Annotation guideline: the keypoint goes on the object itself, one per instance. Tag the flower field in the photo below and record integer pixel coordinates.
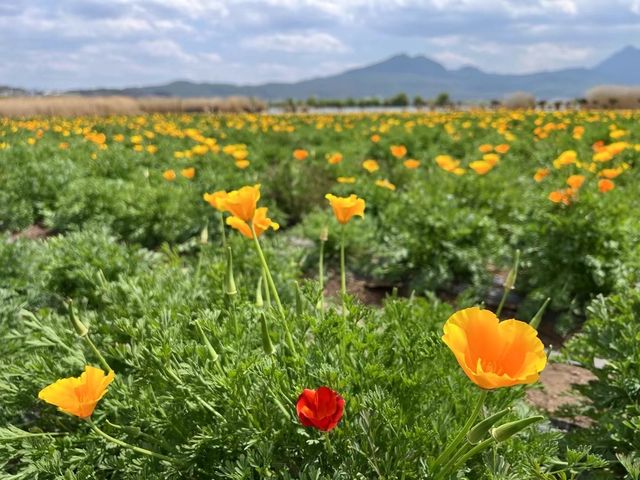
(177, 295)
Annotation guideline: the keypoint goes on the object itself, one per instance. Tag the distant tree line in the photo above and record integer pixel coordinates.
(401, 100)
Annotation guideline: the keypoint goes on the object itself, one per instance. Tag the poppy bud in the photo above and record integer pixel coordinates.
(537, 318)
(510, 282)
(508, 430)
(259, 300)
(230, 283)
(267, 344)
(479, 431)
(321, 408)
(324, 234)
(81, 329)
(204, 235)
(212, 351)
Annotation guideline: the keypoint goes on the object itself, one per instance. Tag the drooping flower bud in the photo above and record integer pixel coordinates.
(537, 318)
(230, 283)
(81, 329)
(259, 300)
(510, 282)
(508, 430)
(267, 344)
(480, 430)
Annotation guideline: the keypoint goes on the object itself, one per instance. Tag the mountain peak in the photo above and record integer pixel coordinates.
(406, 64)
(626, 57)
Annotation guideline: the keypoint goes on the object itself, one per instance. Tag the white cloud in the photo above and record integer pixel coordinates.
(309, 42)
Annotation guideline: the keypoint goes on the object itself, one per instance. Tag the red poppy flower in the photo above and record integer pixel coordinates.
(321, 408)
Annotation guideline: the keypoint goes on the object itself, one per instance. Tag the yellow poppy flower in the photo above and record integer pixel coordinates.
(169, 175)
(188, 172)
(242, 203)
(344, 208)
(370, 166)
(216, 199)
(411, 164)
(260, 223)
(385, 184)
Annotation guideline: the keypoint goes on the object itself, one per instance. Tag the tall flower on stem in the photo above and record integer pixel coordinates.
(493, 355)
(79, 396)
(345, 208)
(216, 200)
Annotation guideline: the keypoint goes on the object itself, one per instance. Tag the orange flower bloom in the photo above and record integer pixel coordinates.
(300, 154)
(188, 172)
(494, 354)
(411, 164)
(491, 158)
(375, 138)
(370, 166)
(575, 181)
(260, 223)
(606, 185)
(346, 179)
(334, 158)
(242, 203)
(611, 173)
(502, 148)
(321, 408)
(78, 395)
(398, 151)
(242, 164)
(344, 208)
(169, 175)
(216, 199)
(541, 173)
(562, 196)
(385, 184)
(485, 148)
(481, 167)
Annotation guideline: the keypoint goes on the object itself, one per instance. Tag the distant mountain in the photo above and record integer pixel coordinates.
(417, 75)
(12, 92)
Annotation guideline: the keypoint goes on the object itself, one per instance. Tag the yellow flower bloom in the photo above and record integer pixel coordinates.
(334, 158)
(481, 167)
(502, 148)
(78, 395)
(398, 151)
(485, 148)
(188, 172)
(260, 223)
(370, 166)
(242, 164)
(491, 158)
(575, 181)
(494, 354)
(216, 199)
(344, 208)
(169, 175)
(411, 164)
(385, 184)
(346, 179)
(540, 174)
(242, 203)
(375, 138)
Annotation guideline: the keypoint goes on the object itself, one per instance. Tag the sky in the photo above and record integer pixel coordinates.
(66, 44)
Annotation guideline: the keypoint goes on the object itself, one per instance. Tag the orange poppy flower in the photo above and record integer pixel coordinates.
(216, 199)
(502, 148)
(375, 138)
(494, 354)
(561, 196)
(370, 166)
(242, 164)
(398, 151)
(411, 164)
(485, 148)
(242, 203)
(344, 208)
(188, 172)
(491, 158)
(300, 154)
(540, 174)
(334, 158)
(169, 175)
(605, 185)
(611, 173)
(260, 223)
(575, 181)
(78, 395)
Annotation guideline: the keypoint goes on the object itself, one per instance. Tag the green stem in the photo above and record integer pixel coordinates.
(30, 435)
(123, 444)
(477, 449)
(274, 291)
(265, 282)
(444, 456)
(101, 359)
(501, 304)
(222, 230)
(321, 276)
(343, 274)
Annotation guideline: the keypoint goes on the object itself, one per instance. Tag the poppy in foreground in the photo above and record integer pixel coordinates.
(321, 408)
(216, 199)
(260, 223)
(344, 208)
(78, 395)
(242, 203)
(494, 354)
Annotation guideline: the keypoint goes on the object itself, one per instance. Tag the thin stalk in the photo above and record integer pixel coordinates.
(501, 304)
(30, 435)
(265, 282)
(274, 291)
(222, 230)
(444, 456)
(343, 274)
(123, 444)
(101, 359)
(321, 276)
(477, 449)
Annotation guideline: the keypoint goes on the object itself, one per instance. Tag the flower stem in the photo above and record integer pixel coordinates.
(101, 359)
(123, 444)
(222, 230)
(321, 277)
(501, 304)
(444, 457)
(274, 291)
(343, 274)
(477, 449)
